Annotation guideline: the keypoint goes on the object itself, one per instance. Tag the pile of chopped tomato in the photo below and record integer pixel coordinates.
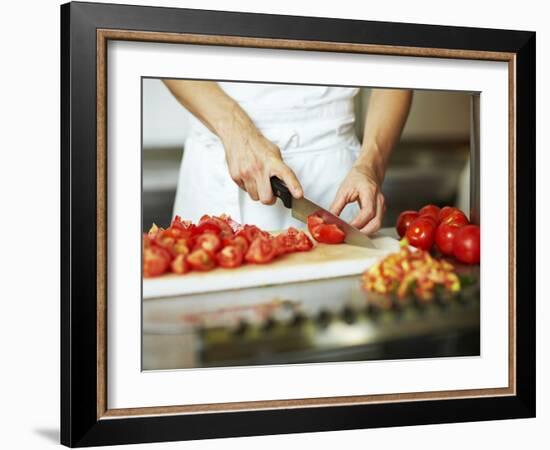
(411, 272)
(212, 242)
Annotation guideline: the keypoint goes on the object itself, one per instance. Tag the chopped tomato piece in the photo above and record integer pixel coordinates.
(201, 260)
(239, 241)
(181, 224)
(261, 251)
(235, 226)
(251, 232)
(179, 265)
(230, 256)
(215, 224)
(329, 234)
(165, 241)
(182, 247)
(324, 232)
(155, 261)
(208, 241)
(293, 240)
(284, 244)
(314, 221)
(206, 227)
(154, 230)
(303, 242)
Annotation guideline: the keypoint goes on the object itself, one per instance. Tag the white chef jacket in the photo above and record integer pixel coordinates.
(313, 126)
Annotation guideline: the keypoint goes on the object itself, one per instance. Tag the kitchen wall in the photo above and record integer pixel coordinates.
(428, 166)
(435, 116)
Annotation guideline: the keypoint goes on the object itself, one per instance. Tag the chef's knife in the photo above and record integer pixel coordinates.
(302, 208)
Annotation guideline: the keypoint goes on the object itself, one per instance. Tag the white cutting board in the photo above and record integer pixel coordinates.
(323, 261)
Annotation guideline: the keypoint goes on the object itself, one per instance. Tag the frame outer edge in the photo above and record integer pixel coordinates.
(525, 225)
(65, 333)
(81, 428)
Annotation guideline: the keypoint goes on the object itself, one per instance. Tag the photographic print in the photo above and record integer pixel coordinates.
(293, 223)
(272, 224)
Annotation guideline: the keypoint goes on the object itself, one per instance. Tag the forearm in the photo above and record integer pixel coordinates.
(387, 113)
(212, 106)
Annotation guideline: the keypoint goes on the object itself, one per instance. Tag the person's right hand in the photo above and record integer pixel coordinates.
(252, 160)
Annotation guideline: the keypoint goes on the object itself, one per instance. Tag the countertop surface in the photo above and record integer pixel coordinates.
(332, 319)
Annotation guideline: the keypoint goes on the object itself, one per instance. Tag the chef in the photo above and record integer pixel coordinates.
(243, 133)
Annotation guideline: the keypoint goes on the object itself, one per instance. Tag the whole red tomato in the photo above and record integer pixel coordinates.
(466, 247)
(430, 210)
(404, 220)
(421, 233)
(444, 237)
(456, 217)
(445, 211)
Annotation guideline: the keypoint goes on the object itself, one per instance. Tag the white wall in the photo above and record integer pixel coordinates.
(434, 115)
(29, 332)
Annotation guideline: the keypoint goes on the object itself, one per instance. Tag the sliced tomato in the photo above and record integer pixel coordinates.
(209, 242)
(329, 234)
(261, 250)
(155, 261)
(230, 256)
(314, 221)
(324, 232)
(179, 265)
(201, 260)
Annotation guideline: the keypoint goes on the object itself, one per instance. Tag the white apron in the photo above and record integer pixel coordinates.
(313, 126)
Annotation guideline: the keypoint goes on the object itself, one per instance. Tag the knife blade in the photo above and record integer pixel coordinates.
(302, 208)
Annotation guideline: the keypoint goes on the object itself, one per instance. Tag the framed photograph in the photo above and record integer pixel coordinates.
(271, 224)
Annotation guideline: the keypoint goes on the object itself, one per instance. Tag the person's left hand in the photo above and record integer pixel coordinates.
(362, 185)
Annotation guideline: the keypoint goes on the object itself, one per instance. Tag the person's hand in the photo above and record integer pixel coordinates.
(362, 185)
(252, 160)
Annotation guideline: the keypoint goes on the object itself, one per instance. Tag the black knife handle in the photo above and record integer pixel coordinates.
(280, 190)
